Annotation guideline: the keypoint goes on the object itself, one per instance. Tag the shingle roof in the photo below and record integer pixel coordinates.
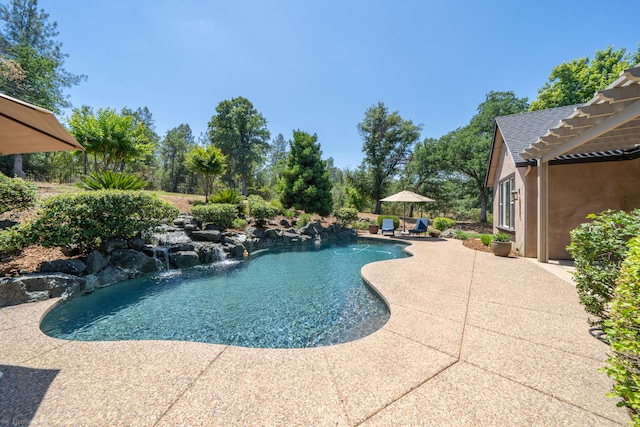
(521, 130)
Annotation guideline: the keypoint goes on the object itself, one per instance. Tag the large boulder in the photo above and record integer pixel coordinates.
(113, 244)
(110, 276)
(96, 262)
(207, 236)
(67, 266)
(39, 287)
(184, 259)
(132, 261)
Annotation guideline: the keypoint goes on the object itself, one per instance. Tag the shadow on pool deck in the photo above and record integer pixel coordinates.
(472, 340)
(22, 389)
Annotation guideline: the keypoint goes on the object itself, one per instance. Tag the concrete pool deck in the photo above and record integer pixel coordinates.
(473, 340)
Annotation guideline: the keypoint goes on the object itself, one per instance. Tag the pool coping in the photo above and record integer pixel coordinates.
(472, 339)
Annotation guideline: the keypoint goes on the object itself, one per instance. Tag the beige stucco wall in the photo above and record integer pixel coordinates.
(575, 191)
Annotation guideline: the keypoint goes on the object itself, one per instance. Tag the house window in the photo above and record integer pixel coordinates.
(507, 203)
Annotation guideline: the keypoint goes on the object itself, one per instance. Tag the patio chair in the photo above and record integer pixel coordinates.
(422, 224)
(387, 225)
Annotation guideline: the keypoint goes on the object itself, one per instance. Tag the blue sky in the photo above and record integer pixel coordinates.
(318, 65)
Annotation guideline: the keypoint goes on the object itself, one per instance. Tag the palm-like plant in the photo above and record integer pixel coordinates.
(227, 195)
(208, 162)
(110, 180)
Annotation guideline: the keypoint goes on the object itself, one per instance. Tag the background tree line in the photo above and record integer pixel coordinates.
(245, 158)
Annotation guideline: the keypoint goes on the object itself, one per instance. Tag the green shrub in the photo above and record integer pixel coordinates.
(460, 235)
(442, 223)
(260, 210)
(502, 237)
(396, 220)
(16, 193)
(289, 213)
(304, 219)
(240, 223)
(598, 249)
(362, 225)
(110, 180)
(87, 219)
(220, 214)
(623, 331)
(15, 239)
(346, 215)
(227, 196)
(486, 239)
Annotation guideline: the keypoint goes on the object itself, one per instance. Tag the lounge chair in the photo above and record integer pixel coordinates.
(422, 224)
(387, 225)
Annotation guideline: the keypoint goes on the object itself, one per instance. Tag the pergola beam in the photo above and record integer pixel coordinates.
(624, 116)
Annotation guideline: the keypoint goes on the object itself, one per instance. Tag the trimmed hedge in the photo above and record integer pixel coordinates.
(85, 220)
(598, 248)
(220, 214)
(623, 331)
(16, 193)
(396, 220)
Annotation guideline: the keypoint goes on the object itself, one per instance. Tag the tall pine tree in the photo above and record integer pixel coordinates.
(27, 39)
(305, 181)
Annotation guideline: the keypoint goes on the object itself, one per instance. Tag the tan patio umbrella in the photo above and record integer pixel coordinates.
(406, 196)
(25, 128)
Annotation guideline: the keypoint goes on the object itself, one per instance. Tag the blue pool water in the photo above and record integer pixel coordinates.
(292, 299)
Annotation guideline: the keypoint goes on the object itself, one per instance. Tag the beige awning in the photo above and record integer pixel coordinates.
(25, 128)
(609, 121)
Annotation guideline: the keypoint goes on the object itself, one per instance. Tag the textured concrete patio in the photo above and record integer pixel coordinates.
(473, 340)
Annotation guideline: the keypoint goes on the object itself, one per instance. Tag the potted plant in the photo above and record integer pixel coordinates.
(373, 228)
(433, 232)
(501, 244)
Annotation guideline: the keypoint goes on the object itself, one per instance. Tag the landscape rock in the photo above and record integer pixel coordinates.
(67, 266)
(132, 261)
(38, 287)
(96, 262)
(111, 275)
(207, 235)
(112, 245)
(184, 259)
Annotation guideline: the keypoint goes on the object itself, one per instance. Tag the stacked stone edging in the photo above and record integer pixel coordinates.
(182, 245)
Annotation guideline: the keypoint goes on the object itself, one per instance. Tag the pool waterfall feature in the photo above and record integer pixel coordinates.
(185, 244)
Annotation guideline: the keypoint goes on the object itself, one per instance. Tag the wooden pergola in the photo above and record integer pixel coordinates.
(610, 121)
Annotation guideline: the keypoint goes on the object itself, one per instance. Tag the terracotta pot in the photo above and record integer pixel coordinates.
(501, 248)
(434, 233)
(373, 229)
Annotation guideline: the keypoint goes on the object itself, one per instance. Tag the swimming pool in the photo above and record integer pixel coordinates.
(276, 299)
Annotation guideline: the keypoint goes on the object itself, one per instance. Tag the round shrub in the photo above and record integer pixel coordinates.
(220, 214)
(16, 193)
(598, 249)
(346, 215)
(486, 239)
(260, 210)
(623, 331)
(443, 223)
(396, 220)
(89, 218)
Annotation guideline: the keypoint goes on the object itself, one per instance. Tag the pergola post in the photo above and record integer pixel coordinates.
(543, 210)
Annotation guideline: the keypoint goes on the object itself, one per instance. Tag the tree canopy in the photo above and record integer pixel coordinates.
(387, 143)
(241, 133)
(111, 139)
(305, 181)
(576, 81)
